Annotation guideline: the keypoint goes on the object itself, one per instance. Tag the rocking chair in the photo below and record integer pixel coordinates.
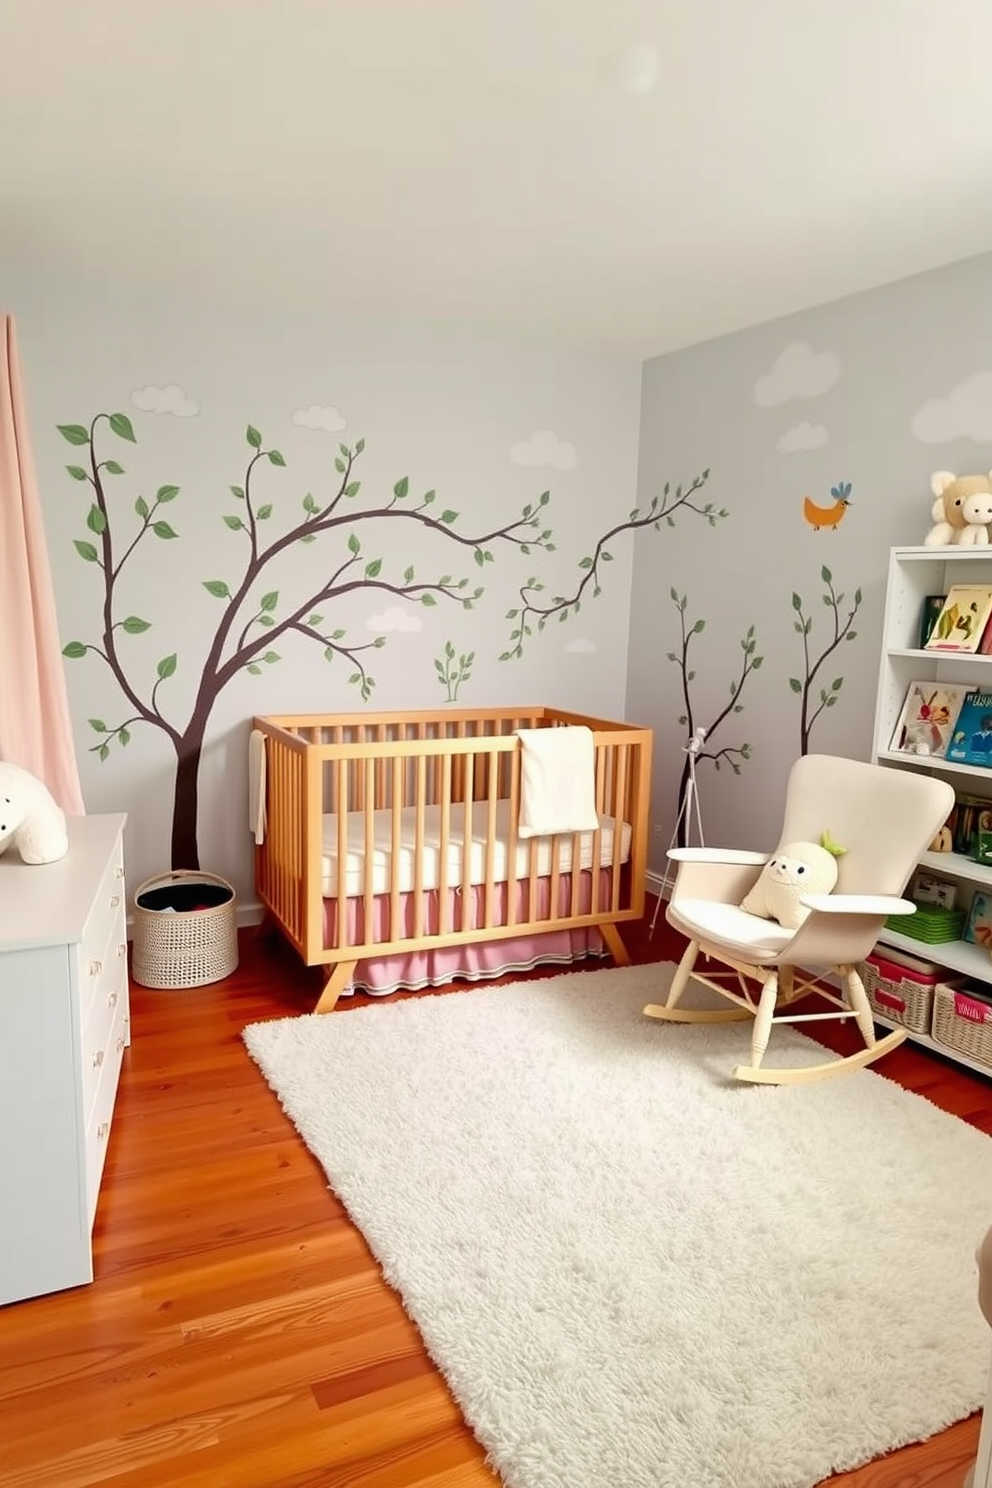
(884, 818)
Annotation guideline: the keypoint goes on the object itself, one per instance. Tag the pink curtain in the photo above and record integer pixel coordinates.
(35, 729)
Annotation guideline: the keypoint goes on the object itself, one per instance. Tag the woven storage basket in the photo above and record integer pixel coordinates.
(962, 1022)
(187, 947)
(898, 993)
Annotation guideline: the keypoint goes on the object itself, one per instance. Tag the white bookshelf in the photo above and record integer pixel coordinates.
(913, 574)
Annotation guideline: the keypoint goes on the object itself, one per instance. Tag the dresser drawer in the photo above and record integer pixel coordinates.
(102, 953)
(99, 1029)
(102, 1110)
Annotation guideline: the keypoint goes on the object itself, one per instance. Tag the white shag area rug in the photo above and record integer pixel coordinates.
(633, 1272)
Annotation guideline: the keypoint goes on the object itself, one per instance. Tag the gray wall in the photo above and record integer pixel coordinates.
(879, 389)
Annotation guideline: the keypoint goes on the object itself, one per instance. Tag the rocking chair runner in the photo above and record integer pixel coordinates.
(884, 818)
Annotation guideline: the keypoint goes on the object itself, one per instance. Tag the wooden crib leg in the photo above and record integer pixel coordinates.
(615, 945)
(339, 978)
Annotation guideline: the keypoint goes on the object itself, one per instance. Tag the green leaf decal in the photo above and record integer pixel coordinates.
(264, 512)
(134, 625)
(270, 600)
(408, 576)
(85, 550)
(166, 493)
(235, 523)
(373, 569)
(217, 588)
(121, 425)
(359, 447)
(795, 684)
(401, 488)
(97, 724)
(353, 544)
(167, 666)
(271, 656)
(275, 458)
(352, 488)
(141, 507)
(74, 650)
(74, 433)
(428, 599)
(449, 516)
(162, 529)
(124, 736)
(253, 437)
(256, 671)
(95, 520)
(239, 492)
(77, 472)
(112, 468)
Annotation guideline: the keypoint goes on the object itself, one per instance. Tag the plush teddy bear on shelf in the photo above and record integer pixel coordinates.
(961, 511)
(791, 873)
(30, 818)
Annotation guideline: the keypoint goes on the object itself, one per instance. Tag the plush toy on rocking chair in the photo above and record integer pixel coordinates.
(30, 818)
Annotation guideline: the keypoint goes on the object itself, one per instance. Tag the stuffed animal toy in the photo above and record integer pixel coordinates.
(961, 512)
(796, 870)
(30, 818)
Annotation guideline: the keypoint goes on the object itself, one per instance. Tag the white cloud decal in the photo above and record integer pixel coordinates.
(171, 399)
(315, 417)
(804, 436)
(580, 647)
(395, 618)
(543, 449)
(799, 372)
(966, 413)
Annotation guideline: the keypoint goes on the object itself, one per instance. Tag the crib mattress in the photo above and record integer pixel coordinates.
(503, 868)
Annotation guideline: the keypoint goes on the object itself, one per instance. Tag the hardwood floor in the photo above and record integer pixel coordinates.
(238, 1334)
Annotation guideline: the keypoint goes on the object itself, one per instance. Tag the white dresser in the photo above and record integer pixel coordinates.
(63, 1030)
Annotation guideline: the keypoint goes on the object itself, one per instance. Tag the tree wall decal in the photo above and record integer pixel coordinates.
(255, 616)
(731, 754)
(810, 707)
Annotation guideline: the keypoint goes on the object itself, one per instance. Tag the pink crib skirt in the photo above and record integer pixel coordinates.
(413, 971)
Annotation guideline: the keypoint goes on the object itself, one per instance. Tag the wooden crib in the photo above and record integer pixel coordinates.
(386, 833)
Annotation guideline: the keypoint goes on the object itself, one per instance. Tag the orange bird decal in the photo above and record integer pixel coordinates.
(828, 516)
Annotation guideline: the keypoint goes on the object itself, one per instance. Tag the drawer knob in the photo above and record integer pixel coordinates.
(95, 968)
(102, 1130)
(115, 900)
(112, 1000)
(120, 871)
(122, 950)
(120, 1043)
(98, 1059)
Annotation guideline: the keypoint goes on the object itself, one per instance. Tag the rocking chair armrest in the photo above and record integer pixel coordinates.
(739, 857)
(867, 904)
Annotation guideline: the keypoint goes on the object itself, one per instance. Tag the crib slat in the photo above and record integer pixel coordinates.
(368, 859)
(467, 915)
(341, 805)
(395, 927)
(444, 845)
(619, 810)
(490, 861)
(513, 791)
(420, 776)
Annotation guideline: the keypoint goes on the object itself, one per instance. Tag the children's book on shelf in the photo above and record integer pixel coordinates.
(928, 716)
(962, 619)
(971, 736)
(979, 927)
(932, 606)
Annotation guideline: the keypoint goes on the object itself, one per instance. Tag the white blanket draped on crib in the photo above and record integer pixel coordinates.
(557, 781)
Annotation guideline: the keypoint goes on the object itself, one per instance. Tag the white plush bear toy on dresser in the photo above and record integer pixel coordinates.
(30, 818)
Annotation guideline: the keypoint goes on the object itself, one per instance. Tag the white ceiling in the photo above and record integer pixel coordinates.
(626, 174)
